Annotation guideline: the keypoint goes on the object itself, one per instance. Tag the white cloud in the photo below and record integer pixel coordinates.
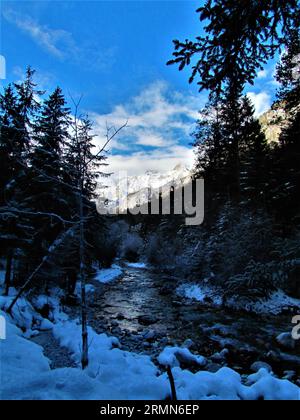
(262, 101)
(157, 118)
(55, 41)
(161, 161)
(263, 74)
(60, 43)
(150, 139)
(153, 113)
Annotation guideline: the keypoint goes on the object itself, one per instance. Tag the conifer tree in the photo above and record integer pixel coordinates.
(285, 181)
(27, 108)
(253, 156)
(50, 136)
(209, 146)
(288, 73)
(231, 148)
(244, 33)
(8, 113)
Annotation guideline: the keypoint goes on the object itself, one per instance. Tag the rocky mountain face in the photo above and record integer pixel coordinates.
(274, 120)
(270, 122)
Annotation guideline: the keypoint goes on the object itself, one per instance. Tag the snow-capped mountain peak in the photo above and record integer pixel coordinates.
(134, 190)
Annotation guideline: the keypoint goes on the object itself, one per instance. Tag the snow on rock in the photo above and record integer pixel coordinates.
(23, 313)
(226, 384)
(50, 304)
(286, 341)
(222, 385)
(256, 366)
(46, 325)
(199, 293)
(265, 386)
(277, 302)
(173, 356)
(220, 356)
(136, 265)
(106, 275)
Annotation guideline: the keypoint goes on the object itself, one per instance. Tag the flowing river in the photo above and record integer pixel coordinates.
(144, 312)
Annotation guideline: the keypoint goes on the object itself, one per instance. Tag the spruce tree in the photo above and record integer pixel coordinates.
(27, 107)
(285, 181)
(8, 113)
(253, 156)
(288, 73)
(50, 136)
(231, 149)
(244, 33)
(209, 146)
(15, 227)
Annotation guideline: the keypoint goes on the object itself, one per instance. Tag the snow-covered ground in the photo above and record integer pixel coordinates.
(112, 373)
(115, 374)
(277, 302)
(106, 275)
(137, 265)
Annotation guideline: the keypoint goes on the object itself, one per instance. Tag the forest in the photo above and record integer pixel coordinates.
(142, 306)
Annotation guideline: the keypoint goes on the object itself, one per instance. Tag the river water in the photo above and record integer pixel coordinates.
(144, 312)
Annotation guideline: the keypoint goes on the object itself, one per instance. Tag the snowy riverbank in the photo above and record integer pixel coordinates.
(112, 372)
(275, 304)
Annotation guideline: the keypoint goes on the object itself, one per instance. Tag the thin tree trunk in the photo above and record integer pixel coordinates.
(7, 281)
(84, 355)
(172, 384)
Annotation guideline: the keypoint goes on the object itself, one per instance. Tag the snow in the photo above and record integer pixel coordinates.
(264, 385)
(23, 313)
(226, 384)
(106, 275)
(112, 373)
(173, 356)
(46, 325)
(53, 302)
(115, 374)
(136, 265)
(124, 375)
(277, 302)
(127, 192)
(199, 293)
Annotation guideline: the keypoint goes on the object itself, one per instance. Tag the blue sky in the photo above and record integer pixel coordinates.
(114, 54)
